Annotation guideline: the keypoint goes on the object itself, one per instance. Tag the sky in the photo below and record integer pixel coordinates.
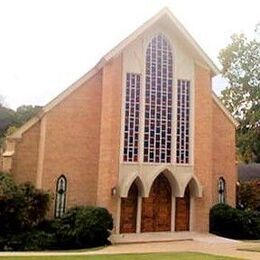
(46, 45)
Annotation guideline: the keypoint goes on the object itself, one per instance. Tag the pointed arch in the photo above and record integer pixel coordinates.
(60, 200)
(175, 187)
(194, 187)
(157, 208)
(126, 187)
(221, 190)
(128, 211)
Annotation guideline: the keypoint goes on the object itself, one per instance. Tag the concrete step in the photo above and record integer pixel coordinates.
(151, 237)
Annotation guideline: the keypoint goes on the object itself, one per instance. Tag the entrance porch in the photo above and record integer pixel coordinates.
(162, 211)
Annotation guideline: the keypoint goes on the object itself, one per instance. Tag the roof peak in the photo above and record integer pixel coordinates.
(165, 11)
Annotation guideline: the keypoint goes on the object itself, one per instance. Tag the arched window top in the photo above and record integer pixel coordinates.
(60, 202)
(61, 184)
(221, 190)
(160, 42)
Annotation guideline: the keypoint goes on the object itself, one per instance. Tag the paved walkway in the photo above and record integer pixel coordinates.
(205, 243)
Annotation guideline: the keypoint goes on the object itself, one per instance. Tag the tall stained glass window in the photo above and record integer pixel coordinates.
(183, 122)
(132, 111)
(60, 202)
(158, 101)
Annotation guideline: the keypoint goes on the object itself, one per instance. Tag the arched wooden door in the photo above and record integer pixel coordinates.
(156, 209)
(182, 212)
(129, 211)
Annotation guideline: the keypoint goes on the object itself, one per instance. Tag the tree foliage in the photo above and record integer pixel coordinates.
(241, 67)
(10, 120)
(23, 223)
(234, 223)
(25, 113)
(22, 206)
(248, 195)
(83, 227)
(7, 185)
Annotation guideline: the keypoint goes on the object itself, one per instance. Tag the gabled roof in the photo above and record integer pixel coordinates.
(224, 109)
(248, 172)
(165, 13)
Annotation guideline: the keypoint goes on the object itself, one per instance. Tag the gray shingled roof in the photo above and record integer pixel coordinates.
(247, 172)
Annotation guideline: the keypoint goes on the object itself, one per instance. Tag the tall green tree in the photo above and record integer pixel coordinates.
(241, 67)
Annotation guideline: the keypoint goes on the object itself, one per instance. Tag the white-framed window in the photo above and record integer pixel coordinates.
(221, 190)
(132, 113)
(158, 101)
(60, 201)
(183, 122)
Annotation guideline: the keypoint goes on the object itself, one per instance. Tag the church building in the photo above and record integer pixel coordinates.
(141, 134)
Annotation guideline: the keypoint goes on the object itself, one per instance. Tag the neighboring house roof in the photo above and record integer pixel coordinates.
(163, 14)
(249, 172)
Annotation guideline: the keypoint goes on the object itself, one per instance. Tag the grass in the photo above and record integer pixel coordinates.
(149, 256)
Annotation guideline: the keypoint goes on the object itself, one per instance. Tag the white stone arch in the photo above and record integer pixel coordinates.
(125, 188)
(171, 178)
(195, 187)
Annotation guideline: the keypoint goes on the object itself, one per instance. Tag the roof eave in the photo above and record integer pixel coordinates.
(224, 109)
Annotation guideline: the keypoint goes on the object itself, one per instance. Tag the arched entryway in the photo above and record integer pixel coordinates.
(156, 209)
(129, 210)
(182, 212)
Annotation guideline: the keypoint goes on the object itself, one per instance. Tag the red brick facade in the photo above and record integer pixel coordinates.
(80, 137)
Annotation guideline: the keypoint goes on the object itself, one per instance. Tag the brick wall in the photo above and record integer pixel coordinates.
(110, 134)
(223, 154)
(203, 145)
(24, 164)
(72, 143)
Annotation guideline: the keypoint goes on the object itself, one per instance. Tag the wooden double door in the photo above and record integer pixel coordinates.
(156, 209)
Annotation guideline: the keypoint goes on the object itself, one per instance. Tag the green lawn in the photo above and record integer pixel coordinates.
(150, 256)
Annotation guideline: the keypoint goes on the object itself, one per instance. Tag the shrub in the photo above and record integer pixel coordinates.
(32, 240)
(7, 185)
(22, 209)
(23, 225)
(234, 223)
(83, 227)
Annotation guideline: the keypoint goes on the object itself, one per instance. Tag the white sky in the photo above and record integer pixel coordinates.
(47, 45)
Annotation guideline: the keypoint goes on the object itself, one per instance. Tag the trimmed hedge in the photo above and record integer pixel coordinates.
(234, 223)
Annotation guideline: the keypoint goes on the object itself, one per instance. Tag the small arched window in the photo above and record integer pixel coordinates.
(60, 202)
(221, 190)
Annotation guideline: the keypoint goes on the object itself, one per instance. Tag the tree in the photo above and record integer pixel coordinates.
(248, 195)
(241, 67)
(25, 113)
(6, 119)
(10, 120)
